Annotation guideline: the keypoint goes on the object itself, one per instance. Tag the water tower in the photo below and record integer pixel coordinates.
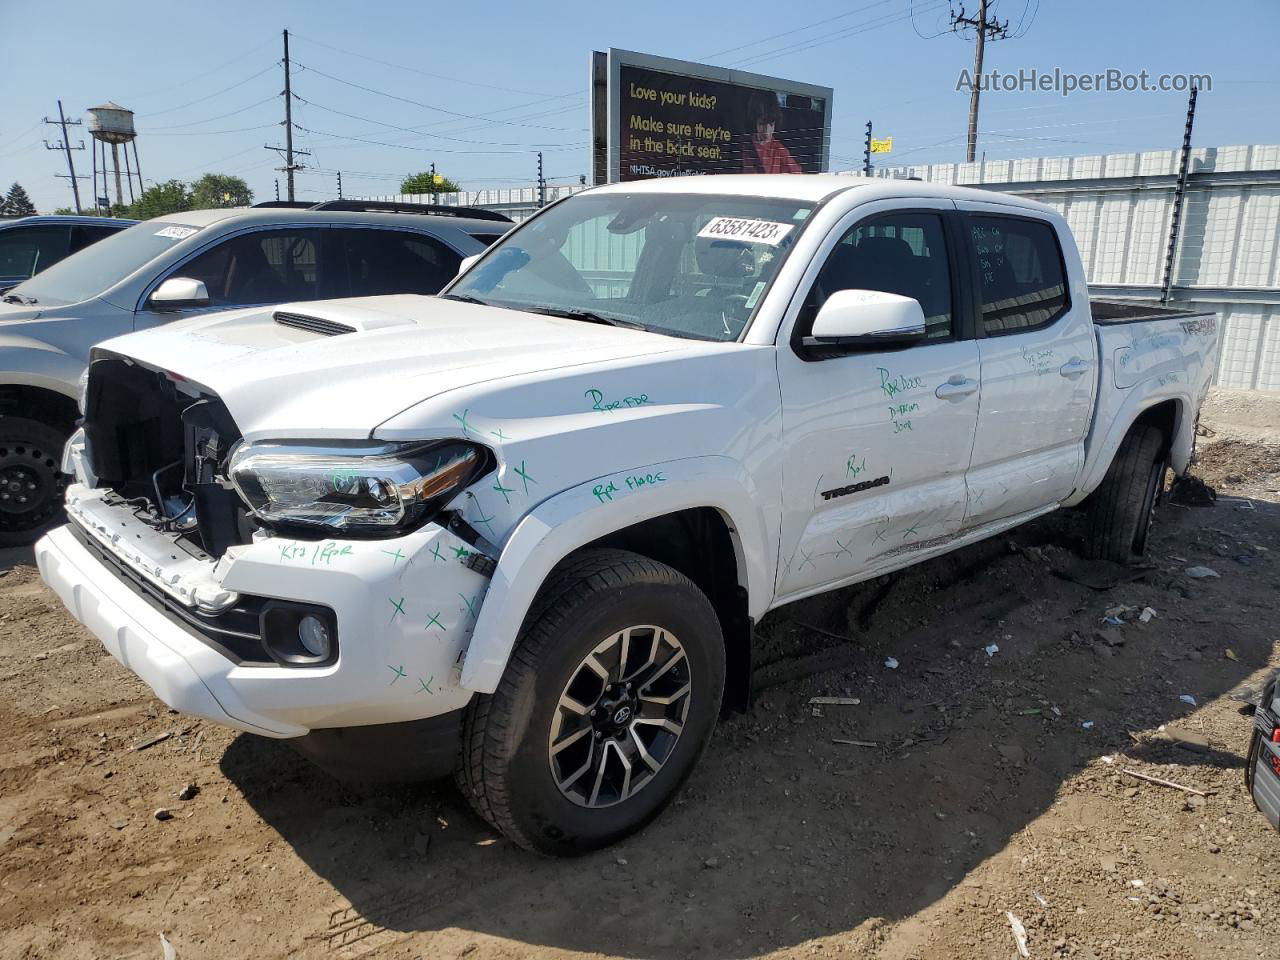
(112, 124)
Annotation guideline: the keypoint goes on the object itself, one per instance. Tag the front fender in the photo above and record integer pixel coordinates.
(34, 363)
(582, 514)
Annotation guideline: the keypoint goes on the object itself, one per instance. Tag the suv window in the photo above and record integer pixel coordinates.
(1021, 280)
(390, 261)
(82, 236)
(267, 266)
(25, 251)
(903, 253)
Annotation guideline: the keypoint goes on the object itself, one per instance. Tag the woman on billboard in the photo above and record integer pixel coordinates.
(764, 153)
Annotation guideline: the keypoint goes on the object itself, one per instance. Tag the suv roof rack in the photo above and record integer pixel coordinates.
(285, 204)
(389, 206)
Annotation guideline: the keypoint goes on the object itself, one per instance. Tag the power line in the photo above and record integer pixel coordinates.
(216, 93)
(407, 146)
(429, 106)
(212, 133)
(787, 33)
(425, 132)
(221, 116)
(186, 80)
(427, 73)
(800, 46)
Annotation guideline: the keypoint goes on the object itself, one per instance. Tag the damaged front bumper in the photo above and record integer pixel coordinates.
(191, 628)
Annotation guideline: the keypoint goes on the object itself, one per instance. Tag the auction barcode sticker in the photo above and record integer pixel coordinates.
(177, 232)
(752, 231)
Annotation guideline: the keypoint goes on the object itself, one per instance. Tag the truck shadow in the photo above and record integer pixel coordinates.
(785, 834)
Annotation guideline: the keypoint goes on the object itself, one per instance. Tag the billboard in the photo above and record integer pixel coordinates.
(656, 117)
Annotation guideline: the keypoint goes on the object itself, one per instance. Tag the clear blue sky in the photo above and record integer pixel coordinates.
(199, 74)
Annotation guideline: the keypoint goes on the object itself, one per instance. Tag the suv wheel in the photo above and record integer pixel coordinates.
(31, 485)
(609, 698)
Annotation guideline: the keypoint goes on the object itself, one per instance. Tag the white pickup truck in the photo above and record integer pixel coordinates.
(523, 530)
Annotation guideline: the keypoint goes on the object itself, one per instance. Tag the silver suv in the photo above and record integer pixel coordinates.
(180, 266)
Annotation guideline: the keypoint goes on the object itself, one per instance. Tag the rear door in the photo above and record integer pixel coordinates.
(1037, 349)
(877, 442)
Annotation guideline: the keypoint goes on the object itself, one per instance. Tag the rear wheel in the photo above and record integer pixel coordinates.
(1118, 514)
(609, 698)
(31, 485)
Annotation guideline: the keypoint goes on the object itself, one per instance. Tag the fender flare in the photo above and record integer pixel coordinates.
(1098, 460)
(579, 515)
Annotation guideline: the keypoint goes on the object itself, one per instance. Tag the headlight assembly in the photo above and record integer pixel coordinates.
(376, 488)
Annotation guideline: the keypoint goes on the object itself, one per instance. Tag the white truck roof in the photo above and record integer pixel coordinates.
(814, 187)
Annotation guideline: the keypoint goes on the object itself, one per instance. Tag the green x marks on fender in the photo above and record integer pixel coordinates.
(434, 621)
(523, 473)
(397, 607)
(398, 671)
(471, 605)
(462, 420)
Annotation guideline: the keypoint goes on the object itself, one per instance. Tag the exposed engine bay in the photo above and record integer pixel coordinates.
(161, 444)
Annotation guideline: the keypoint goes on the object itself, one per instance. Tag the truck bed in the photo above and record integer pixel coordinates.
(1110, 312)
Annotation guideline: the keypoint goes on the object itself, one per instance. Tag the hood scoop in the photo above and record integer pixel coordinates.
(338, 322)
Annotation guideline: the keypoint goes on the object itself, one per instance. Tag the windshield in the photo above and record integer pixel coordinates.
(95, 268)
(685, 264)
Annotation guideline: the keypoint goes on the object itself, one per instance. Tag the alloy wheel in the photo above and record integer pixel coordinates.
(620, 716)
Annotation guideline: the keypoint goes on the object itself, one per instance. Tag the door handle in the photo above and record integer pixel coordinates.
(1073, 367)
(956, 388)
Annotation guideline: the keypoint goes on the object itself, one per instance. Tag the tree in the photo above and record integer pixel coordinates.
(421, 183)
(220, 190)
(171, 196)
(17, 203)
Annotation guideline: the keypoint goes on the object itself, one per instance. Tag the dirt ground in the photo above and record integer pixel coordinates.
(980, 784)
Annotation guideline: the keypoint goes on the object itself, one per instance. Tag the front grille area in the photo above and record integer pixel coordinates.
(328, 328)
(235, 633)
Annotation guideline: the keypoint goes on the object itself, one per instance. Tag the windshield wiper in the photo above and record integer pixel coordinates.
(18, 298)
(464, 298)
(571, 313)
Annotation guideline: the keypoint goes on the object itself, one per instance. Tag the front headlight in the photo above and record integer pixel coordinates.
(376, 488)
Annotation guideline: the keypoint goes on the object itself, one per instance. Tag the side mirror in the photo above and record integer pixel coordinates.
(180, 292)
(466, 263)
(865, 320)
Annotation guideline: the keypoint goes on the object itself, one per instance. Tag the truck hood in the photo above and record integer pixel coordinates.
(284, 381)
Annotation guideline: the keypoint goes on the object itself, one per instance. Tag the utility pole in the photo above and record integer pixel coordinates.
(983, 27)
(1179, 193)
(866, 153)
(66, 147)
(542, 183)
(287, 151)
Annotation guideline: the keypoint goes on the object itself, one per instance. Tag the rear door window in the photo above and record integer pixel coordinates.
(1021, 279)
(82, 236)
(381, 262)
(265, 266)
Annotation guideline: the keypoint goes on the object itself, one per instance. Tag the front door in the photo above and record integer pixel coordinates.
(878, 442)
(253, 268)
(1035, 337)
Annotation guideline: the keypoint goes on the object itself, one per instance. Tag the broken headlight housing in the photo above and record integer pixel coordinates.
(371, 489)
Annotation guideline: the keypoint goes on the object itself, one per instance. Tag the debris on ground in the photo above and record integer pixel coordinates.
(1019, 934)
(891, 663)
(1163, 783)
(152, 741)
(835, 701)
(163, 814)
(1201, 573)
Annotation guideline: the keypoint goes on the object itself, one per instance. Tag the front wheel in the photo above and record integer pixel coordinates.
(609, 699)
(31, 484)
(1118, 514)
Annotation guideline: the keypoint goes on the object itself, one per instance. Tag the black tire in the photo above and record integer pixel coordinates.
(32, 486)
(506, 768)
(1118, 513)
